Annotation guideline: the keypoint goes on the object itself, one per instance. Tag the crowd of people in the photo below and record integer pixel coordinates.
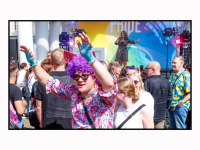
(86, 93)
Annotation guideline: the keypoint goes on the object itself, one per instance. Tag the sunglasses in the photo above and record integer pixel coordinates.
(118, 72)
(136, 82)
(83, 76)
(128, 75)
(148, 68)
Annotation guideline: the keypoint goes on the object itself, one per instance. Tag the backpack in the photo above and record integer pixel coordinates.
(33, 111)
(33, 114)
(25, 90)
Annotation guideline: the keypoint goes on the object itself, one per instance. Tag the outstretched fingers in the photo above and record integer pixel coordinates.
(85, 39)
(78, 43)
(24, 48)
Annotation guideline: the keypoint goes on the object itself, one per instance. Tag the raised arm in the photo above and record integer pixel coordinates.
(117, 41)
(41, 74)
(133, 42)
(100, 71)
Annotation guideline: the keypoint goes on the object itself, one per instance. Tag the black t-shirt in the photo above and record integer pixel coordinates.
(161, 90)
(34, 89)
(56, 111)
(15, 94)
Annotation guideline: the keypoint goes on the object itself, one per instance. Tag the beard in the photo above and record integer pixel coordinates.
(176, 68)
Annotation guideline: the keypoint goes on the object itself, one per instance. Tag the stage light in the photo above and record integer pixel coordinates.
(178, 41)
(77, 31)
(185, 34)
(167, 32)
(71, 43)
(63, 37)
(73, 22)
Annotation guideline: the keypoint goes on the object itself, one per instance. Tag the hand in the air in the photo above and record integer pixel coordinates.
(85, 39)
(29, 55)
(86, 49)
(78, 44)
(138, 40)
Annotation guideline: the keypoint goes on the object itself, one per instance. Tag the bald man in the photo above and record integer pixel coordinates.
(161, 90)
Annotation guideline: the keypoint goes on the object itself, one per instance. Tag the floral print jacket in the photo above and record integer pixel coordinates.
(100, 106)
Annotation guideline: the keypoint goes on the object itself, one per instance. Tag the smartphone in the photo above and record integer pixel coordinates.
(141, 67)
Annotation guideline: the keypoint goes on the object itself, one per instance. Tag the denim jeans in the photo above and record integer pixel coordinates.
(21, 122)
(28, 105)
(178, 117)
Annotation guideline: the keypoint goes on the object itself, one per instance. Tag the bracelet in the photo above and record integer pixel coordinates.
(34, 64)
(181, 102)
(92, 62)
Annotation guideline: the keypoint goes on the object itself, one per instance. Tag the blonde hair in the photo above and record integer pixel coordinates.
(125, 84)
(49, 53)
(113, 65)
(140, 80)
(46, 65)
(57, 56)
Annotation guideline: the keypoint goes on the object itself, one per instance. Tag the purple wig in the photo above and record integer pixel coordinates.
(78, 63)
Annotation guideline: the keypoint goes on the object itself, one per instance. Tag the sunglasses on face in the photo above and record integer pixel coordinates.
(83, 76)
(128, 75)
(118, 72)
(136, 82)
(148, 68)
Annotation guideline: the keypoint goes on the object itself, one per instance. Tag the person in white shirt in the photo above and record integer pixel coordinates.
(144, 97)
(30, 78)
(21, 80)
(127, 103)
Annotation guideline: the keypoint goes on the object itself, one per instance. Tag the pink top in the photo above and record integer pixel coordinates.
(100, 106)
(13, 115)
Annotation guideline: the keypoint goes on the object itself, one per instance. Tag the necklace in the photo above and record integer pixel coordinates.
(89, 94)
(127, 112)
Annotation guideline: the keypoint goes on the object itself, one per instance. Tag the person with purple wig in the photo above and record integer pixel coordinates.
(92, 104)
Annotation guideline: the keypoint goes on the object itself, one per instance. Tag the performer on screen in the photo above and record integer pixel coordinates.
(122, 52)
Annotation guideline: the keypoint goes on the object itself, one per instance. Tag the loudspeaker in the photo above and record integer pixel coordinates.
(13, 51)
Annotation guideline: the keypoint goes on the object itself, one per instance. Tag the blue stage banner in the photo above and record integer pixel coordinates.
(153, 45)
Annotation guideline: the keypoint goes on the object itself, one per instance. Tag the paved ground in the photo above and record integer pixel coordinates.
(27, 124)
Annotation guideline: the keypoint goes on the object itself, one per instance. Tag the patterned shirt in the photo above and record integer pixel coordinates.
(100, 106)
(180, 88)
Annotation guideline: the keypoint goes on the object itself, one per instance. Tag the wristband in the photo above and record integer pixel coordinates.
(87, 52)
(32, 62)
(92, 62)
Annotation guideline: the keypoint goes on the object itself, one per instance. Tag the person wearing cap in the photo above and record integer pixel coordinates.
(92, 104)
